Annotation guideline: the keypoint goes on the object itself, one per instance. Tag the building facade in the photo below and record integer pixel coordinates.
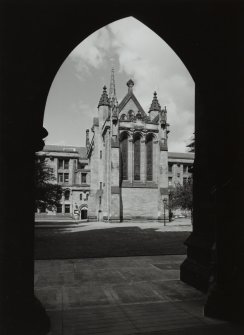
(70, 168)
(125, 170)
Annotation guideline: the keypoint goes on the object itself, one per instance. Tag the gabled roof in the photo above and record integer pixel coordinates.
(81, 151)
(130, 95)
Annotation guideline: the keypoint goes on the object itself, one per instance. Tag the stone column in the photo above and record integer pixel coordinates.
(63, 205)
(71, 171)
(106, 177)
(163, 184)
(197, 267)
(94, 184)
(114, 177)
(21, 312)
(163, 177)
(155, 160)
(143, 160)
(71, 203)
(130, 160)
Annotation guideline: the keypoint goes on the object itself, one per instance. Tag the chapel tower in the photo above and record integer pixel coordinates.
(128, 159)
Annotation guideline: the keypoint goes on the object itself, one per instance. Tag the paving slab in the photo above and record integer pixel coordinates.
(122, 295)
(59, 266)
(97, 276)
(159, 316)
(148, 273)
(216, 329)
(105, 320)
(136, 293)
(85, 295)
(55, 279)
(175, 290)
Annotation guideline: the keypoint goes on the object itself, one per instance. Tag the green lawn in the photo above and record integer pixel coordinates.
(54, 243)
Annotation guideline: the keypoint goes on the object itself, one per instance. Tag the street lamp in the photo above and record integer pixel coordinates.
(164, 202)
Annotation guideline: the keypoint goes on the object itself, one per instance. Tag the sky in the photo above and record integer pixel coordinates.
(136, 53)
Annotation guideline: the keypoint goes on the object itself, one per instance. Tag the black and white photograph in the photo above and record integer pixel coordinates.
(121, 160)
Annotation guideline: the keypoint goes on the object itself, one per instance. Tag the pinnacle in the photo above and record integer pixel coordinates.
(155, 106)
(104, 101)
(130, 83)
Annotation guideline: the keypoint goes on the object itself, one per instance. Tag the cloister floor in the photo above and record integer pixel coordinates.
(122, 295)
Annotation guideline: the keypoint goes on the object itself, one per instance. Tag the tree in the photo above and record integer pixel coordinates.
(48, 194)
(191, 145)
(182, 196)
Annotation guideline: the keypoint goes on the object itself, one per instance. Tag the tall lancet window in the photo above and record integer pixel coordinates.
(137, 157)
(124, 156)
(149, 146)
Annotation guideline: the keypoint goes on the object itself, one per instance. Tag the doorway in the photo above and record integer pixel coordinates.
(83, 214)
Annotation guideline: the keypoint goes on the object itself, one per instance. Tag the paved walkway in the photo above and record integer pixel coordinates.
(124, 295)
(177, 225)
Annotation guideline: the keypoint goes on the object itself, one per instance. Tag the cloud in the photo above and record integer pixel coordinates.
(92, 51)
(155, 66)
(142, 55)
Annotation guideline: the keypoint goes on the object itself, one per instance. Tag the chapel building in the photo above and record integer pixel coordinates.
(128, 159)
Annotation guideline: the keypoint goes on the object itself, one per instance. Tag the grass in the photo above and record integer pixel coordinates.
(114, 242)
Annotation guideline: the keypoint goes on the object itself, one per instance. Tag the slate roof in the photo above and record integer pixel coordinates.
(81, 151)
(181, 155)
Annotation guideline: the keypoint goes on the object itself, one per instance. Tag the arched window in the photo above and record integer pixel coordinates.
(66, 195)
(149, 146)
(131, 114)
(137, 157)
(138, 115)
(124, 156)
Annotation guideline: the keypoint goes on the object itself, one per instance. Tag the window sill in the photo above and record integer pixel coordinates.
(139, 184)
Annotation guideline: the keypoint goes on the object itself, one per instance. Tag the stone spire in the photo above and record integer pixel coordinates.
(155, 106)
(112, 90)
(104, 101)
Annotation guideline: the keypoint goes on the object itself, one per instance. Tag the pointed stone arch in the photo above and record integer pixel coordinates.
(198, 51)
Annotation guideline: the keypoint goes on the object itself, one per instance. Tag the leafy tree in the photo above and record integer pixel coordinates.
(48, 194)
(182, 196)
(191, 145)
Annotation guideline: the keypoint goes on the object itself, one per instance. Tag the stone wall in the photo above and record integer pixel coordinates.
(140, 203)
(94, 165)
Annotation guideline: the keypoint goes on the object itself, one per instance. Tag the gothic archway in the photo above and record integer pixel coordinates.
(203, 38)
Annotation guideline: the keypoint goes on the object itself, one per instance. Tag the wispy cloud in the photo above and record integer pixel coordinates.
(92, 52)
(155, 66)
(142, 55)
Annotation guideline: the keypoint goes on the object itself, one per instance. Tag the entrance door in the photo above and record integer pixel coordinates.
(83, 214)
(100, 216)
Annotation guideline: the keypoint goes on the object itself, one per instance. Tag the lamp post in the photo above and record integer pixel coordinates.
(164, 202)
